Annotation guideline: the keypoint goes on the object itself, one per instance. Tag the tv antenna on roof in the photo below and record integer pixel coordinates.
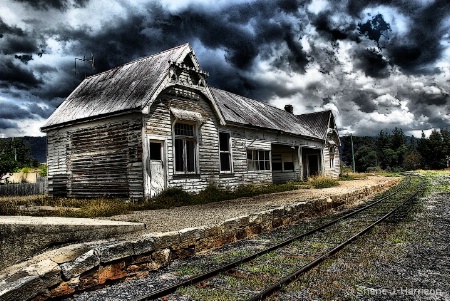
(84, 59)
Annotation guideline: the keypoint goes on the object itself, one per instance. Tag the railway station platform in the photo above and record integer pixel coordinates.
(132, 245)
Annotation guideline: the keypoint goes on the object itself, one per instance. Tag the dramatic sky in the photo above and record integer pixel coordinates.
(378, 66)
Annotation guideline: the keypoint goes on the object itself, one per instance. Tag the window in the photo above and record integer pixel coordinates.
(185, 148)
(332, 152)
(258, 160)
(225, 152)
(155, 151)
(276, 162)
(288, 166)
(282, 162)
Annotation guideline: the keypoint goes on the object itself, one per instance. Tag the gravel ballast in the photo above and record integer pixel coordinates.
(405, 260)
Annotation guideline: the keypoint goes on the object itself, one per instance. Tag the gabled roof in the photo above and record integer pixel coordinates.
(317, 122)
(245, 111)
(122, 88)
(132, 86)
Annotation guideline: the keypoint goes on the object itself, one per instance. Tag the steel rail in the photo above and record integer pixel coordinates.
(195, 279)
(291, 277)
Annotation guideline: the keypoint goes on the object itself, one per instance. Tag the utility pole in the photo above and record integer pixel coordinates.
(353, 153)
(15, 150)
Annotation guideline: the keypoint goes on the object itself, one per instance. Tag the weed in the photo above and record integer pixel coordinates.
(322, 182)
(207, 294)
(188, 270)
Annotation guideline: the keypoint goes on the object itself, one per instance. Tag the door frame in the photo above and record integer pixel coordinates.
(308, 170)
(147, 174)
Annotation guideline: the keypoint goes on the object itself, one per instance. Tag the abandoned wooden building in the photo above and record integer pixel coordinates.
(154, 123)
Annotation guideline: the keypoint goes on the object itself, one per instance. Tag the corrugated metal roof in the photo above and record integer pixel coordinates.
(122, 88)
(131, 85)
(246, 111)
(317, 122)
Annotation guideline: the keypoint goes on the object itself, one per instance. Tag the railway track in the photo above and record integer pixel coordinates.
(258, 275)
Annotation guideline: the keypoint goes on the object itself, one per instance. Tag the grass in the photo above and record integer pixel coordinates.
(96, 207)
(354, 271)
(171, 197)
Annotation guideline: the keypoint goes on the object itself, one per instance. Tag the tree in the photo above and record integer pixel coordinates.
(14, 154)
(386, 155)
(413, 160)
(436, 145)
(365, 157)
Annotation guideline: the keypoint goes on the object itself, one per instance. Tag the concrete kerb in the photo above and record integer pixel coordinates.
(110, 260)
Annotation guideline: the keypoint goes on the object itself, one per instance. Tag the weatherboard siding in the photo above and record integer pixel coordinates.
(334, 170)
(97, 159)
(57, 151)
(158, 125)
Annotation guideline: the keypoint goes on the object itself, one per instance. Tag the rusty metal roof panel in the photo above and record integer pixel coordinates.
(121, 88)
(246, 111)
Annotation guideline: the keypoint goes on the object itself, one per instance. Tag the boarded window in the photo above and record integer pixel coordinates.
(258, 160)
(225, 152)
(185, 148)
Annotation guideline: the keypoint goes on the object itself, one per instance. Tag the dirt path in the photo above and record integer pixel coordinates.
(213, 213)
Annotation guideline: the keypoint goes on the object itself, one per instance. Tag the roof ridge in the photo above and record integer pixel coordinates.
(312, 113)
(141, 59)
(259, 101)
(269, 105)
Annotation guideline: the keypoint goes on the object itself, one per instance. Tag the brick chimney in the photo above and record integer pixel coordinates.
(289, 108)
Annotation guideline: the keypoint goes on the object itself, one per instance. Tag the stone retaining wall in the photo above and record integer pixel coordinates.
(22, 237)
(90, 265)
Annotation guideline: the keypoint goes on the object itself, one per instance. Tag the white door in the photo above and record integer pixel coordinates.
(157, 168)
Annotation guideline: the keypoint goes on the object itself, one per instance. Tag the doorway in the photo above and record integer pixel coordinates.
(157, 168)
(313, 165)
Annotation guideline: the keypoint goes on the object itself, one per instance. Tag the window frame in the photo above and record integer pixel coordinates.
(184, 140)
(256, 161)
(281, 159)
(228, 152)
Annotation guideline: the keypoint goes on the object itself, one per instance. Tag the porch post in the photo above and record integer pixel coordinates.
(322, 162)
(300, 161)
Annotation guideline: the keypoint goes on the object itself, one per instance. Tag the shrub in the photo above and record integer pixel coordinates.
(374, 169)
(43, 170)
(322, 182)
(25, 170)
(98, 207)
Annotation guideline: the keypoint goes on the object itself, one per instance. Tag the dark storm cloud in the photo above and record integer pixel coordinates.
(14, 112)
(5, 29)
(375, 28)
(55, 4)
(40, 111)
(15, 75)
(332, 31)
(6, 124)
(364, 100)
(227, 30)
(287, 37)
(421, 44)
(24, 58)
(17, 44)
(372, 62)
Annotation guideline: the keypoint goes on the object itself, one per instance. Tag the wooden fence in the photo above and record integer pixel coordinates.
(21, 189)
